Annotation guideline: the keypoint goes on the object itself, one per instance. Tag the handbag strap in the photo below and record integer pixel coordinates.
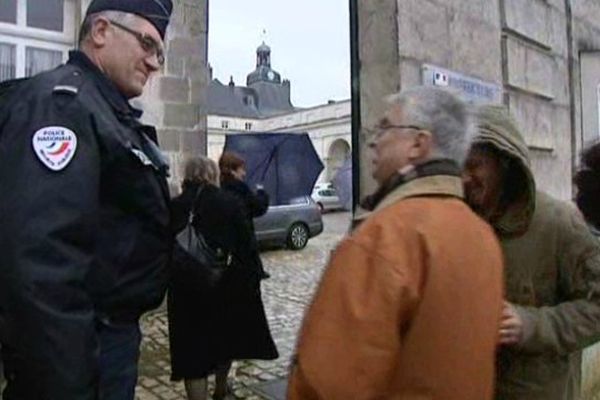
(192, 213)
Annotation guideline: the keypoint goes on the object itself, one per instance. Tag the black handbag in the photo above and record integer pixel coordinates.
(209, 264)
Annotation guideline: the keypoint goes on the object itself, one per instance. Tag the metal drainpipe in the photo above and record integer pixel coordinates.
(573, 112)
(355, 93)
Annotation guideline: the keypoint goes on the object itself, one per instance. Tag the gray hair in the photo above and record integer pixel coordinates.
(448, 118)
(201, 169)
(117, 16)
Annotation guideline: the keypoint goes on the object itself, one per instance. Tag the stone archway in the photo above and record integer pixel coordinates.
(339, 151)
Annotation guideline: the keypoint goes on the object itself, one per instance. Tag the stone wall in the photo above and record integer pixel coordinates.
(379, 70)
(520, 45)
(175, 102)
(535, 60)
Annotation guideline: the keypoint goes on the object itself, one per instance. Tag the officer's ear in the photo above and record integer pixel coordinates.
(100, 32)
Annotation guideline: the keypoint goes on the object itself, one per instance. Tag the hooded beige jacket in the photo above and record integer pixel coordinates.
(552, 274)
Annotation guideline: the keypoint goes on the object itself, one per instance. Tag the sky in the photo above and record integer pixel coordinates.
(309, 42)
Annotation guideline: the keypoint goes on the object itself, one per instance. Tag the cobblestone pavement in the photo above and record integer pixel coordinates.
(294, 275)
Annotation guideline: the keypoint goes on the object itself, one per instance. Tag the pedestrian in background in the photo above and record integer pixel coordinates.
(409, 304)
(587, 181)
(210, 327)
(85, 237)
(255, 204)
(552, 267)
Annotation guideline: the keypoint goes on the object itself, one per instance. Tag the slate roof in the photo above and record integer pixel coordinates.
(260, 100)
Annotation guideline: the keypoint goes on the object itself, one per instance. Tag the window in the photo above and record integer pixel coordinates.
(38, 36)
(248, 126)
(8, 11)
(38, 60)
(225, 124)
(46, 14)
(7, 61)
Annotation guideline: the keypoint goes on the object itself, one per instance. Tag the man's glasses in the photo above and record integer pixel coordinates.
(381, 129)
(149, 45)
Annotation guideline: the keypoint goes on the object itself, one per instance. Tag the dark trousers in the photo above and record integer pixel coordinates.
(1, 373)
(18, 385)
(119, 356)
(117, 366)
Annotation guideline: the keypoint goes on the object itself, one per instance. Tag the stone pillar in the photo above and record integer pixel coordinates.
(397, 37)
(379, 73)
(175, 101)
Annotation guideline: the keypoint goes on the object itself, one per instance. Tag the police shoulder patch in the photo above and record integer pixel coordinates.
(54, 146)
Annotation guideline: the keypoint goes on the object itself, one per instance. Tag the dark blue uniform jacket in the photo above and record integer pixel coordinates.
(88, 241)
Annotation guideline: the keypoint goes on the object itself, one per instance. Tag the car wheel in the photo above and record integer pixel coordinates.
(321, 208)
(297, 236)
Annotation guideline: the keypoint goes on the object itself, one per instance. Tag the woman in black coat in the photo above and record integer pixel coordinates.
(208, 328)
(255, 204)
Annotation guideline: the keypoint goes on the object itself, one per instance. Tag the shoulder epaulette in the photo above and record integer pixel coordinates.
(66, 89)
(69, 83)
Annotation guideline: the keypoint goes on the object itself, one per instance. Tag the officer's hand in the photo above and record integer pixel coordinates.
(511, 326)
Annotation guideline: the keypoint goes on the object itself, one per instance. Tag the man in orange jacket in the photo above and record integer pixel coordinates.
(410, 303)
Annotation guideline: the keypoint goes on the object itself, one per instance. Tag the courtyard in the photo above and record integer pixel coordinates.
(294, 276)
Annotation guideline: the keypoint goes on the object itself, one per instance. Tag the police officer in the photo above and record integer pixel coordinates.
(84, 212)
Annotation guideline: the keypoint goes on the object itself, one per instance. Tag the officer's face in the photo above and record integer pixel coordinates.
(127, 63)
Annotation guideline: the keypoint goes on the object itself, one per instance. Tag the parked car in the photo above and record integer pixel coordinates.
(292, 224)
(325, 196)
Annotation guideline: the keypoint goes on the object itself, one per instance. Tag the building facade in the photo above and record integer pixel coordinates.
(542, 56)
(264, 105)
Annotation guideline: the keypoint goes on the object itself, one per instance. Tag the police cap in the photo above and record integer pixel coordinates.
(157, 12)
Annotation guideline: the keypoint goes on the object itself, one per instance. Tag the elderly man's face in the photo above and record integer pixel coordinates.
(483, 180)
(125, 60)
(395, 145)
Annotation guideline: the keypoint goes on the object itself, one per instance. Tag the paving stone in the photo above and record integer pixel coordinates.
(266, 377)
(243, 393)
(294, 277)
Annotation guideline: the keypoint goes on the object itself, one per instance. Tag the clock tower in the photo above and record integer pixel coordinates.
(263, 71)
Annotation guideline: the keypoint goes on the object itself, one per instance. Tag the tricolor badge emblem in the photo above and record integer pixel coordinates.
(55, 146)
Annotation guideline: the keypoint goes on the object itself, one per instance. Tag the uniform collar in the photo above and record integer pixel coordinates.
(108, 89)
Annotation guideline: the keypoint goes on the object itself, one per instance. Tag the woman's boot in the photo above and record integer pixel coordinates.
(222, 387)
(196, 389)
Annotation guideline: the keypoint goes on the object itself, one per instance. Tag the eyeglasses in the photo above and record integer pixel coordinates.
(149, 45)
(381, 129)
